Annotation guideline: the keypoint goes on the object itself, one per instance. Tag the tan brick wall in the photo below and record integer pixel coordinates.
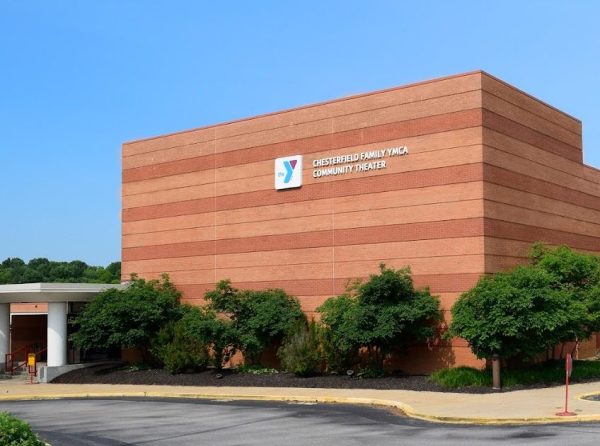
(536, 187)
(481, 171)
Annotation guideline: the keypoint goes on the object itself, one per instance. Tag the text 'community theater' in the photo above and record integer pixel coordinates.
(455, 177)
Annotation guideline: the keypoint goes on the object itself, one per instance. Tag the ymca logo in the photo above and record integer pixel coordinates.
(288, 172)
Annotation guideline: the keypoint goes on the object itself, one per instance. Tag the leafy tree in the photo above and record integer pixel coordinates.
(518, 313)
(579, 275)
(533, 308)
(381, 315)
(574, 270)
(258, 318)
(15, 270)
(129, 317)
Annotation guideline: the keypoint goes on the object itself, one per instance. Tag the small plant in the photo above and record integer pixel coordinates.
(301, 352)
(371, 372)
(138, 366)
(14, 432)
(254, 369)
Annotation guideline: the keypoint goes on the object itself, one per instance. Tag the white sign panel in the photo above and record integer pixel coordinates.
(288, 172)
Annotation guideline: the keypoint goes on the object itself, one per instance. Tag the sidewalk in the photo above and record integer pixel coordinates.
(524, 406)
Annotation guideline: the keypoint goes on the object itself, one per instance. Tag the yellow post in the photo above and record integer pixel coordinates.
(31, 366)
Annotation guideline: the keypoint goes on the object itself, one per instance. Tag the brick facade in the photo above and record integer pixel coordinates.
(490, 170)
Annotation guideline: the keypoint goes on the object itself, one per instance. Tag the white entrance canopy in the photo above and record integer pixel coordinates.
(51, 292)
(57, 295)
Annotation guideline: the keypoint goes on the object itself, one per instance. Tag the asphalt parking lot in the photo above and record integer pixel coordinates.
(112, 422)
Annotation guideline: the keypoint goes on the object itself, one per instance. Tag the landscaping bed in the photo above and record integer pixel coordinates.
(105, 374)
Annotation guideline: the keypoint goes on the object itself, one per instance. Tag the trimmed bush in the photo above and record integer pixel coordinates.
(127, 318)
(14, 432)
(179, 357)
(380, 316)
(259, 319)
(301, 353)
(184, 345)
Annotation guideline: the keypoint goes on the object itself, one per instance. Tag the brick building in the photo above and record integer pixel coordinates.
(455, 177)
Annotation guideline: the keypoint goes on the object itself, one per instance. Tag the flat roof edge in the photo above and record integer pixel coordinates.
(531, 96)
(355, 96)
(315, 104)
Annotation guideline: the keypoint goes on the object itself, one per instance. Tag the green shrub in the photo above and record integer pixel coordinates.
(380, 316)
(551, 372)
(183, 345)
(371, 372)
(129, 317)
(548, 373)
(258, 318)
(202, 326)
(14, 432)
(454, 378)
(179, 357)
(339, 349)
(301, 353)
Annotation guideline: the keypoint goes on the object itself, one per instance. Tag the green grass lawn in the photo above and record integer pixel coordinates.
(552, 372)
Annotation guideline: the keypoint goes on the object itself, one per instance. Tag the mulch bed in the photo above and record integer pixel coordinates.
(117, 374)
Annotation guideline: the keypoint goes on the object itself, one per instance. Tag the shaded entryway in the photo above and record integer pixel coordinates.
(28, 334)
(61, 298)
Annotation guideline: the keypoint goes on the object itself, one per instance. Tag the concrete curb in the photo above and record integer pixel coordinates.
(397, 405)
(585, 396)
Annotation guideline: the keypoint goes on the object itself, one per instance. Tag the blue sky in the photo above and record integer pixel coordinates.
(79, 78)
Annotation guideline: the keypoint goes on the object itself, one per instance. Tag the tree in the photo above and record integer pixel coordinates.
(129, 317)
(14, 270)
(258, 318)
(518, 313)
(530, 309)
(382, 315)
(579, 275)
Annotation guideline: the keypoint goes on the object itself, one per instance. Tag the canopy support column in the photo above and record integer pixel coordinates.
(4, 332)
(57, 334)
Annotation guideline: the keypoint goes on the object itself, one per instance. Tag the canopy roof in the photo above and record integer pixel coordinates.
(52, 292)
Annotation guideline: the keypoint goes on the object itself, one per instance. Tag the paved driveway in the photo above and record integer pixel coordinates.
(197, 422)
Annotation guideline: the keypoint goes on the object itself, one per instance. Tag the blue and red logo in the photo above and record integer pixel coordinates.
(288, 172)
